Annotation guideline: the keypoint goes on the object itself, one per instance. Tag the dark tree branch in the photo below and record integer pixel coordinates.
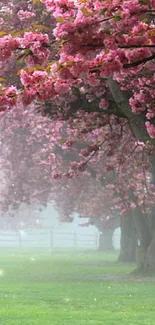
(136, 121)
(135, 64)
(135, 46)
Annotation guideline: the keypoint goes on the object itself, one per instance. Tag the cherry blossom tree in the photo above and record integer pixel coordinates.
(94, 70)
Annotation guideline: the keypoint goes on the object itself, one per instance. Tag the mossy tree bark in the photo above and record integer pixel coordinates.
(105, 240)
(145, 256)
(128, 240)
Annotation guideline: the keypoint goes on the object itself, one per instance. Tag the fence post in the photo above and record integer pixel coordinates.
(75, 239)
(96, 240)
(51, 240)
(20, 239)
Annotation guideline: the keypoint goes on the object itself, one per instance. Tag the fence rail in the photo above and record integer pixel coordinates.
(48, 239)
(52, 239)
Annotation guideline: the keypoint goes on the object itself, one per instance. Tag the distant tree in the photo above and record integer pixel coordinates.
(94, 69)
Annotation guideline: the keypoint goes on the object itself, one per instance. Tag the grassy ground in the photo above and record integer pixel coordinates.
(72, 289)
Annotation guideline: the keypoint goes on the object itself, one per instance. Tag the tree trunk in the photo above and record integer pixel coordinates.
(105, 240)
(146, 259)
(128, 240)
(146, 235)
(145, 254)
(149, 256)
(149, 261)
(136, 121)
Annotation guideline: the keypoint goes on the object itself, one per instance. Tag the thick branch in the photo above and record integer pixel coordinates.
(81, 103)
(136, 47)
(135, 64)
(142, 227)
(136, 121)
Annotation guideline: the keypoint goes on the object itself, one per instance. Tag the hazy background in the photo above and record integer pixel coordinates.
(48, 232)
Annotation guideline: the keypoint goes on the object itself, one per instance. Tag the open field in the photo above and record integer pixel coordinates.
(72, 289)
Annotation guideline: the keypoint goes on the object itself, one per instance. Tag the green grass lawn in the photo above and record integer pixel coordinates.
(72, 289)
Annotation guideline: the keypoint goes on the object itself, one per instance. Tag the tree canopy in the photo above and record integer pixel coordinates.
(77, 95)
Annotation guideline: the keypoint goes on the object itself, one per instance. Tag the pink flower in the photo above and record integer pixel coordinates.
(150, 114)
(136, 106)
(27, 96)
(52, 157)
(61, 87)
(7, 45)
(132, 205)
(84, 152)
(31, 78)
(37, 43)
(24, 14)
(56, 175)
(31, 38)
(92, 80)
(74, 165)
(150, 129)
(110, 186)
(8, 98)
(1, 21)
(103, 104)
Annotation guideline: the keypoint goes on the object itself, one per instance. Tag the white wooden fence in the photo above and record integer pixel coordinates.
(47, 239)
